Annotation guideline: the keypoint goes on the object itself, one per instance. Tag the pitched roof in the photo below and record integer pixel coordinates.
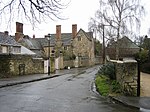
(89, 35)
(7, 40)
(65, 38)
(124, 42)
(37, 44)
(30, 43)
(24, 50)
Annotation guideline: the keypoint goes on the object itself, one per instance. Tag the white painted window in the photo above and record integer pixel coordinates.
(4, 49)
(16, 50)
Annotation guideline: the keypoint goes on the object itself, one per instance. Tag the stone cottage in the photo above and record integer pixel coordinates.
(16, 59)
(127, 48)
(77, 48)
(74, 49)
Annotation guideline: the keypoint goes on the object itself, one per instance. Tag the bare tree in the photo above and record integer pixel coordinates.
(35, 11)
(121, 17)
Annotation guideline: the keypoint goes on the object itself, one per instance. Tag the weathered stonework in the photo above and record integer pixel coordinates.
(126, 75)
(13, 65)
(83, 46)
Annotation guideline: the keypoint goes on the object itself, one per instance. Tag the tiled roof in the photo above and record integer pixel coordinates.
(30, 43)
(66, 39)
(124, 42)
(7, 40)
(24, 50)
(89, 35)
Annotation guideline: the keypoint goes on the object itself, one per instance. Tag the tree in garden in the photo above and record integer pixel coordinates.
(35, 11)
(120, 17)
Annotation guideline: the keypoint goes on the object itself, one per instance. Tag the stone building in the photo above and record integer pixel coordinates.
(8, 45)
(16, 59)
(74, 49)
(83, 48)
(77, 48)
(127, 48)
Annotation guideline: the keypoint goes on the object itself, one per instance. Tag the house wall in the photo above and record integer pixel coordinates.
(84, 48)
(46, 50)
(123, 52)
(13, 65)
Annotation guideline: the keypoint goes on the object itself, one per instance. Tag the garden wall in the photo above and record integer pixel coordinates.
(126, 75)
(13, 65)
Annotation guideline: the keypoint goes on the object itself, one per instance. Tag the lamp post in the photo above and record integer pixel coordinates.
(48, 38)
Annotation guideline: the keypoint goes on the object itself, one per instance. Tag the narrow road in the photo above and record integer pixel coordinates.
(67, 93)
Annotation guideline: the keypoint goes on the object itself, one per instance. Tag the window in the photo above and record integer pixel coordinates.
(16, 50)
(65, 47)
(79, 38)
(4, 49)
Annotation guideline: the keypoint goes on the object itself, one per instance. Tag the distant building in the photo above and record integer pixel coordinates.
(8, 45)
(74, 49)
(127, 48)
(16, 59)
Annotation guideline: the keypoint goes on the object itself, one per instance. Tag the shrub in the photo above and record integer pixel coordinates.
(108, 69)
(115, 87)
(142, 55)
(145, 67)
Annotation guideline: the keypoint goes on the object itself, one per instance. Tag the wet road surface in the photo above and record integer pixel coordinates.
(67, 93)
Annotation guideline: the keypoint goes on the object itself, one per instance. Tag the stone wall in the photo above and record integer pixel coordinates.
(98, 60)
(126, 75)
(84, 62)
(69, 63)
(13, 65)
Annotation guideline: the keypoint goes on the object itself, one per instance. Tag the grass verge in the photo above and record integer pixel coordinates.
(106, 87)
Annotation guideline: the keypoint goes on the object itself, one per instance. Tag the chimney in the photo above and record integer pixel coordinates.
(19, 31)
(33, 36)
(19, 27)
(74, 30)
(58, 32)
(6, 33)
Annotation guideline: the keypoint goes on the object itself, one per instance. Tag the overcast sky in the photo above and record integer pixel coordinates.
(78, 12)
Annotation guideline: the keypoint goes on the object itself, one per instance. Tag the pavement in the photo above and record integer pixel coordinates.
(141, 103)
(5, 82)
